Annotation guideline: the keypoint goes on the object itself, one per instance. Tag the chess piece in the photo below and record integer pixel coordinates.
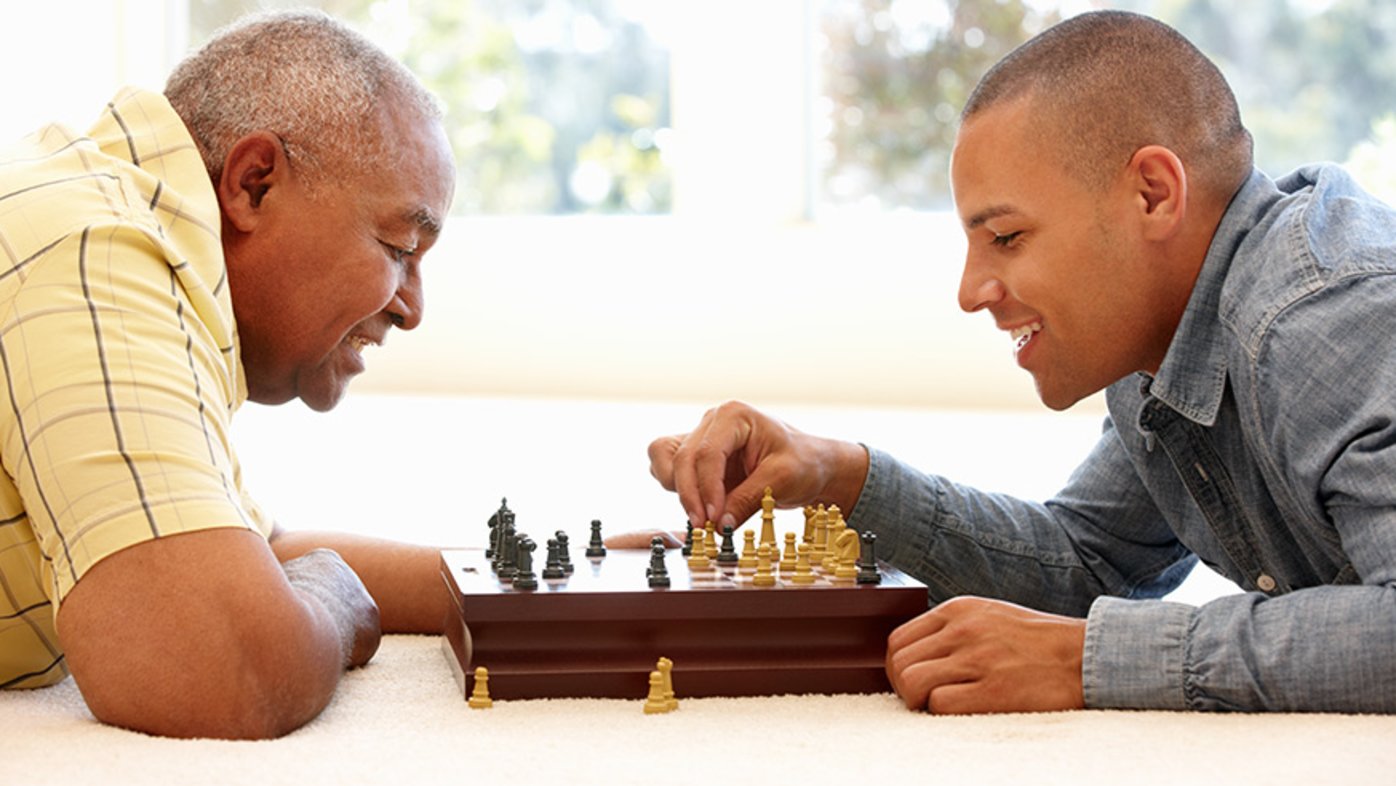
(867, 563)
(846, 555)
(836, 527)
(658, 574)
(553, 569)
(666, 670)
(597, 546)
(496, 523)
(655, 702)
(508, 553)
(563, 556)
(768, 521)
(821, 532)
(688, 539)
(526, 579)
(803, 573)
(710, 540)
(789, 557)
(490, 551)
(764, 577)
(808, 535)
(727, 555)
(498, 520)
(698, 559)
(480, 693)
(748, 559)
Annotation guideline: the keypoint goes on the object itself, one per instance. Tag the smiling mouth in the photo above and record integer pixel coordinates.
(1022, 335)
(357, 343)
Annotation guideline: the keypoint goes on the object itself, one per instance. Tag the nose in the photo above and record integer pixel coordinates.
(980, 287)
(405, 309)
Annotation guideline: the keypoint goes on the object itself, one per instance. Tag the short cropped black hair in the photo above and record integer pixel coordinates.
(1107, 83)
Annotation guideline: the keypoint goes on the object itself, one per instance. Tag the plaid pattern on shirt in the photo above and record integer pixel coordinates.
(119, 361)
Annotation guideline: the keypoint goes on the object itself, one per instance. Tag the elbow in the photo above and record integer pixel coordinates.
(236, 678)
(197, 701)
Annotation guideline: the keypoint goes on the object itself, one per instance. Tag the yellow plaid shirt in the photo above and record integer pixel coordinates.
(119, 361)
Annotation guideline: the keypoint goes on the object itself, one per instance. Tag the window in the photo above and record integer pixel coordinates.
(1313, 77)
(789, 108)
(554, 106)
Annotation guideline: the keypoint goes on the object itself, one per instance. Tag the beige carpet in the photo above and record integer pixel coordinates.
(401, 721)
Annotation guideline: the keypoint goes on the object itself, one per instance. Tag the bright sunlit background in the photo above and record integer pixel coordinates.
(663, 205)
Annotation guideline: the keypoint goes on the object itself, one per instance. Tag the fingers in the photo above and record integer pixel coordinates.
(671, 466)
(686, 484)
(941, 686)
(662, 459)
(720, 462)
(916, 629)
(909, 647)
(721, 469)
(699, 462)
(934, 673)
(979, 655)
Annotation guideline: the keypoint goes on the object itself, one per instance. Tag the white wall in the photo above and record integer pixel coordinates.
(854, 312)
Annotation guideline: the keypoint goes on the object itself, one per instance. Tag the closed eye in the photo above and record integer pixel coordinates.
(399, 255)
(1006, 240)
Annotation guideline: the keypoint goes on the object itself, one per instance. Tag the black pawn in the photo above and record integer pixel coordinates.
(526, 579)
(597, 546)
(563, 556)
(553, 570)
(657, 572)
(727, 555)
(867, 561)
(688, 540)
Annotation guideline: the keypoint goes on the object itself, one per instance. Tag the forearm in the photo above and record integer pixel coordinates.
(405, 579)
(1047, 556)
(962, 542)
(1323, 649)
(198, 635)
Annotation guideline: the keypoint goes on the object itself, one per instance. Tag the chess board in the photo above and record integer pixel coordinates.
(599, 631)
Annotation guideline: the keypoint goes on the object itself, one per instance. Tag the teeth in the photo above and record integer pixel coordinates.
(358, 343)
(1022, 334)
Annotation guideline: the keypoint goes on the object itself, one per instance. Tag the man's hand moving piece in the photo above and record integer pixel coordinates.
(722, 468)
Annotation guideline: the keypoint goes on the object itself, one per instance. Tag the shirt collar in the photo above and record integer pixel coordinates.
(1192, 377)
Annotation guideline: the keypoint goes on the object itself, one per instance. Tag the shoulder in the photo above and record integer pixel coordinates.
(1318, 242)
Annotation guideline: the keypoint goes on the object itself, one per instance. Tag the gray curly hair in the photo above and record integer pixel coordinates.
(303, 76)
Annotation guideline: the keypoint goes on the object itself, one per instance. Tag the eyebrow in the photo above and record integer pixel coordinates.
(977, 220)
(425, 219)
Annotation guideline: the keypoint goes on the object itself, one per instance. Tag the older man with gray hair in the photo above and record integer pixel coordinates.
(246, 235)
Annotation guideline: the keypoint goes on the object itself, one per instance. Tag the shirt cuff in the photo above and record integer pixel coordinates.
(897, 504)
(1136, 654)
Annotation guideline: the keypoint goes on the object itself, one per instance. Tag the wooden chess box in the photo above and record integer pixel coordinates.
(599, 631)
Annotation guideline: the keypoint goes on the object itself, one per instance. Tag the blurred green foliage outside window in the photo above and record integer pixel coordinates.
(563, 106)
(553, 106)
(1316, 80)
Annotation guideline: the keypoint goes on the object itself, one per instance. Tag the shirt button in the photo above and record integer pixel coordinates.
(1265, 583)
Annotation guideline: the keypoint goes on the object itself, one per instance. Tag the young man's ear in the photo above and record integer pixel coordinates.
(1161, 185)
(255, 164)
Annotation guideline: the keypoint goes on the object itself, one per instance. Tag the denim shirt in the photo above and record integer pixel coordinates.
(1265, 447)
